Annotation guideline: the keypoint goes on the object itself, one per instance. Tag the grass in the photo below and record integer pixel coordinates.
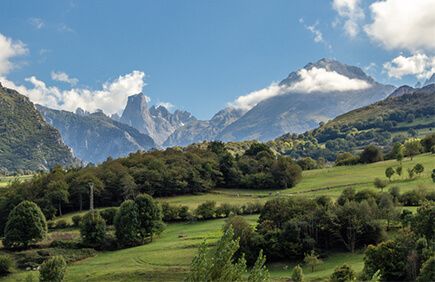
(5, 180)
(168, 258)
(328, 181)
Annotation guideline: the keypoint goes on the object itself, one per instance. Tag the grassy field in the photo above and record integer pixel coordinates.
(329, 181)
(168, 258)
(5, 180)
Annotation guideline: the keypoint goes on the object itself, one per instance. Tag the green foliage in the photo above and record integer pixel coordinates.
(380, 184)
(399, 170)
(433, 175)
(389, 172)
(76, 220)
(423, 221)
(371, 154)
(127, 225)
(418, 168)
(93, 229)
(413, 147)
(26, 224)
(297, 274)
(109, 215)
(259, 271)
(343, 273)
(6, 265)
(312, 260)
(206, 210)
(149, 215)
(27, 142)
(427, 272)
(218, 264)
(428, 142)
(53, 270)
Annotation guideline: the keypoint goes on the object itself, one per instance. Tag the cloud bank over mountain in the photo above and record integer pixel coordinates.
(309, 80)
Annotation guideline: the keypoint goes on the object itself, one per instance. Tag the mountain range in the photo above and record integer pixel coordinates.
(293, 110)
(303, 99)
(94, 137)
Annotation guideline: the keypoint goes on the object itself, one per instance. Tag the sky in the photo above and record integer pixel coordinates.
(203, 55)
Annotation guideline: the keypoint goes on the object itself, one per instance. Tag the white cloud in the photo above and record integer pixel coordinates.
(419, 65)
(318, 36)
(63, 77)
(248, 101)
(403, 24)
(9, 49)
(312, 80)
(111, 98)
(167, 105)
(37, 23)
(351, 12)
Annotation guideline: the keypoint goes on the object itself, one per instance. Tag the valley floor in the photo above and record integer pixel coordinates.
(169, 256)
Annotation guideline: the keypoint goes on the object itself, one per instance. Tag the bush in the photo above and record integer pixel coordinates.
(53, 270)
(206, 210)
(109, 215)
(371, 154)
(127, 227)
(297, 274)
(26, 224)
(6, 265)
(427, 272)
(343, 273)
(61, 224)
(76, 219)
(93, 229)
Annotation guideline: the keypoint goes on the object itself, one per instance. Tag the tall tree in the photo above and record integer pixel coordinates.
(26, 224)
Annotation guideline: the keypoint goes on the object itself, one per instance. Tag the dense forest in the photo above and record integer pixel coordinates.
(159, 173)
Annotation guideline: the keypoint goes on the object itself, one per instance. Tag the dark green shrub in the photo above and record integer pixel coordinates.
(343, 273)
(53, 270)
(206, 210)
(76, 219)
(6, 265)
(93, 229)
(127, 227)
(109, 215)
(26, 224)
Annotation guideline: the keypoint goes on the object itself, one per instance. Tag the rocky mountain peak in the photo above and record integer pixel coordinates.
(349, 71)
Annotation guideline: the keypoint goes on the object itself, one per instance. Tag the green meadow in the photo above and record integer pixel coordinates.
(169, 256)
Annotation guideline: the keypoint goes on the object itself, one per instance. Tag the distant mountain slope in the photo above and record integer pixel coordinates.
(207, 130)
(382, 123)
(157, 122)
(27, 142)
(417, 102)
(295, 111)
(95, 137)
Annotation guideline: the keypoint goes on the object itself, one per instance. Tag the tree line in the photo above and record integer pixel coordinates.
(173, 171)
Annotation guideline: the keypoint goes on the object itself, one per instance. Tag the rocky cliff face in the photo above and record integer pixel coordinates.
(95, 137)
(27, 142)
(201, 130)
(157, 122)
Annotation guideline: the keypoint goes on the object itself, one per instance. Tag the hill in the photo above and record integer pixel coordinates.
(95, 137)
(27, 142)
(402, 115)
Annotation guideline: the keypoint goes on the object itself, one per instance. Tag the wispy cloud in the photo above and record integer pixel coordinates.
(318, 35)
(37, 23)
(352, 14)
(63, 77)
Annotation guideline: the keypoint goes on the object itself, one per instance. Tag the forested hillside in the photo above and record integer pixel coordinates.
(27, 142)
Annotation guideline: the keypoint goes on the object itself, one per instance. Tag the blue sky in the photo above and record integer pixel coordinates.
(199, 55)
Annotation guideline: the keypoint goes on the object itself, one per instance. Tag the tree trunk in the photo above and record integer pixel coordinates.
(81, 201)
(60, 208)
